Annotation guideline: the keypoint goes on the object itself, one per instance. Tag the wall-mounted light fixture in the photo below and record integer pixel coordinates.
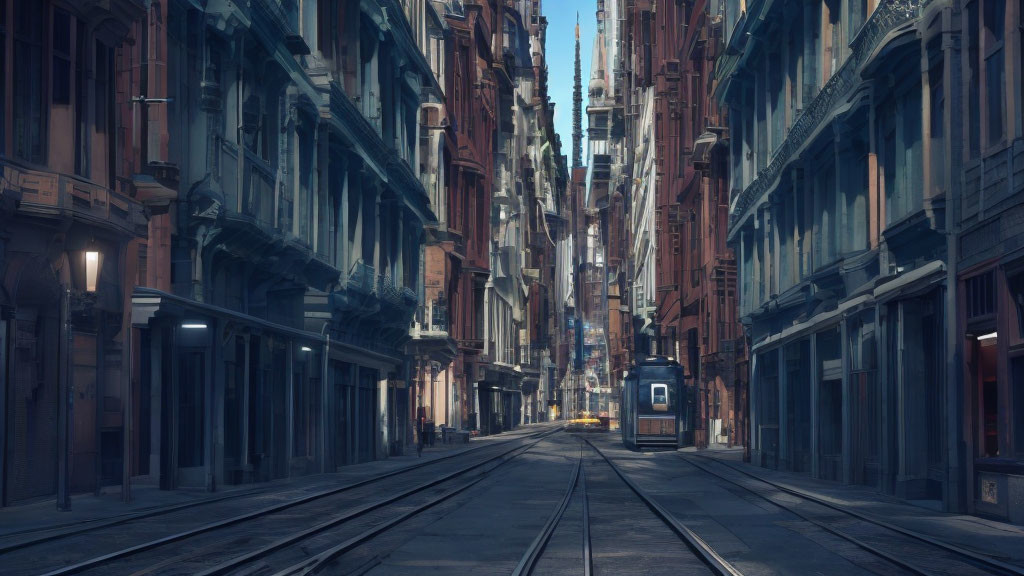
(988, 336)
(86, 267)
(193, 325)
(92, 270)
(306, 349)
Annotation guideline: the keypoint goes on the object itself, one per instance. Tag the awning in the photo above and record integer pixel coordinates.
(149, 304)
(916, 280)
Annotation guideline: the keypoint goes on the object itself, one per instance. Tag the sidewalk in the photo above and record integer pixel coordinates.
(990, 537)
(27, 522)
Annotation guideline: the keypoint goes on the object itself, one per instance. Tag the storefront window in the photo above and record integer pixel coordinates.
(864, 398)
(830, 404)
(798, 405)
(768, 408)
(1015, 283)
(1017, 369)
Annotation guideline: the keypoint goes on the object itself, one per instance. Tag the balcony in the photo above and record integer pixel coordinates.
(51, 193)
(430, 333)
(454, 8)
(361, 278)
(889, 15)
(387, 289)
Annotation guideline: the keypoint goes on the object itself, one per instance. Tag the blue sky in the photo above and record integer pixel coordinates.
(560, 50)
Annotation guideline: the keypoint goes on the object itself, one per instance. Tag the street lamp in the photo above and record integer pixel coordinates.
(85, 269)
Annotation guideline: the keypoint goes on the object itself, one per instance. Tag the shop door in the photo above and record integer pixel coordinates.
(367, 414)
(32, 405)
(190, 404)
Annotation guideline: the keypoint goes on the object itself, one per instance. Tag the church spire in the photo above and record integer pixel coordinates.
(577, 106)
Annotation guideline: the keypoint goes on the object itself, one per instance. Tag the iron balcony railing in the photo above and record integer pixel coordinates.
(889, 15)
(361, 277)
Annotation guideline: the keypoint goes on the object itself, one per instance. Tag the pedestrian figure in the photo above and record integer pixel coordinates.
(422, 436)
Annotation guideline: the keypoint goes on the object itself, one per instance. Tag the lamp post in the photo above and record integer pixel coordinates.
(85, 278)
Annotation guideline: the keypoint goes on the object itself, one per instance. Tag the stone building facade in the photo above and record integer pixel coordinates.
(984, 156)
(873, 159)
(683, 278)
(493, 247)
(283, 272)
(269, 238)
(70, 230)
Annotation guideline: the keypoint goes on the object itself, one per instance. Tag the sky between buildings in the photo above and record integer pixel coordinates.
(560, 51)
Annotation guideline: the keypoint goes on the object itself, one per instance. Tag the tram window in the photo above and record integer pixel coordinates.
(655, 398)
(659, 397)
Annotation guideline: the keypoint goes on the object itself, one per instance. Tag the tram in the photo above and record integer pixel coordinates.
(655, 405)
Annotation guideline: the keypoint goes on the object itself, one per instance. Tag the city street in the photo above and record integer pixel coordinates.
(397, 287)
(538, 501)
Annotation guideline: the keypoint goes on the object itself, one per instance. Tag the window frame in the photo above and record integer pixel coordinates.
(60, 60)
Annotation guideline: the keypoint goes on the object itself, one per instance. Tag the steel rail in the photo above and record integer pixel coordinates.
(697, 544)
(294, 537)
(588, 555)
(314, 564)
(536, 548)
(103, 559)
(101, 523)
(971, 557)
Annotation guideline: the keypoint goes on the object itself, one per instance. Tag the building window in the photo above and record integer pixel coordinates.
(995, 85)
(981, 295)
(104, 81)
(61, 57)
(3, 76)
(902, 154)
(28, 111)
(937, 105)
(973, 83)
(1015, 283)
(81, 112)
(858, 13)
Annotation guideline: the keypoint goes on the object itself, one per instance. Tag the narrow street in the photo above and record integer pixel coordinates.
(510, 506)
(511, 287)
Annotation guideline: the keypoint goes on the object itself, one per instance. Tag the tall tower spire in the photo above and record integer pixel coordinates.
(577, 106)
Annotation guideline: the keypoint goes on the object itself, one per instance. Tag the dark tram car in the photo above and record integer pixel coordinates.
(655, 405)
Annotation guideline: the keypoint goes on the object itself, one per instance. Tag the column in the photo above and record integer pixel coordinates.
(246, 393)
(815, 415)
(215, 362)
(847, 399)
(289, 379)
(785, 450)
(342, 252)
(378, 256)
(400, 243)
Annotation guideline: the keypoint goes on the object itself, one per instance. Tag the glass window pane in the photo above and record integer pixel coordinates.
(1017, 368)
(995, 88)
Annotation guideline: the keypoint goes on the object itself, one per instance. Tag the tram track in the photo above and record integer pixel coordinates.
(71, 529)
(911, 551)
(320, 562)
(700, 548)
(534, 556)
(239, 532)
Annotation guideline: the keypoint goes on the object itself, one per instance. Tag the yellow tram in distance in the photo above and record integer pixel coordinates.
(655, 405)
(587, 421)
